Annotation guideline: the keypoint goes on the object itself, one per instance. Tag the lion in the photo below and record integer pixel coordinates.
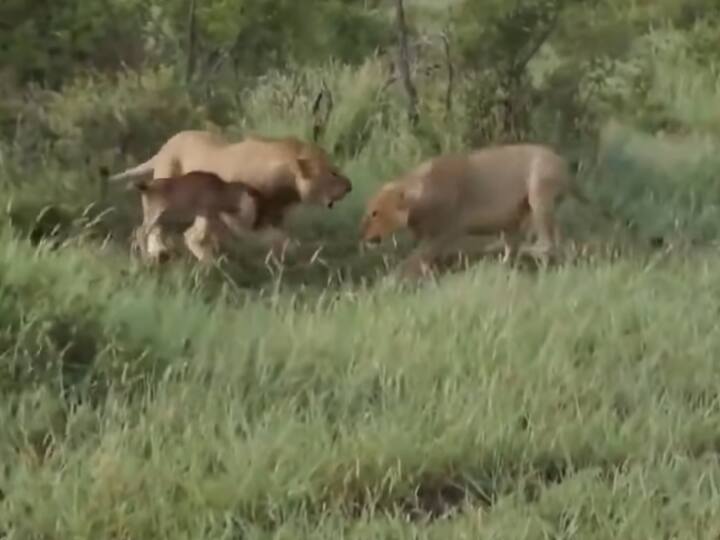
(285, 171)
(502, 189)
(179, 201)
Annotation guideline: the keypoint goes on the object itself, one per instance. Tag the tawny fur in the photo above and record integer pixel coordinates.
(495, 190)
(179, 201)
(286, 171)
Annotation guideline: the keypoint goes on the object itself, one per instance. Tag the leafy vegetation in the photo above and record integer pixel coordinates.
(329, 401)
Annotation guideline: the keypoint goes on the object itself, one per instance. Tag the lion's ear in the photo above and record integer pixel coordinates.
(305, 167)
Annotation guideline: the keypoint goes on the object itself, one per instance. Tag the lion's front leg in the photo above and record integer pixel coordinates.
(278, 241)
(421, 260)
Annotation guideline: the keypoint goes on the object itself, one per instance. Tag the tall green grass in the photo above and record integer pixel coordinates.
(328, 401)
(581, 399)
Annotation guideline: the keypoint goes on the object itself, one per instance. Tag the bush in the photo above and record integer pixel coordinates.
(127, 116)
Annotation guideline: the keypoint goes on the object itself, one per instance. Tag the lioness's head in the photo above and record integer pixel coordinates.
(320, 181)
(386, 213)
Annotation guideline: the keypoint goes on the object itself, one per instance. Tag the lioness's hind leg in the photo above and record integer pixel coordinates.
(542, 209)
(514, 237)
(511, 241)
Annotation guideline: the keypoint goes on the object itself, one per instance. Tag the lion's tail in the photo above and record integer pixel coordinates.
(138, 170)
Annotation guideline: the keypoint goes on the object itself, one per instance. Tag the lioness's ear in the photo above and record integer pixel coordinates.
(305, 167)
(403, 201)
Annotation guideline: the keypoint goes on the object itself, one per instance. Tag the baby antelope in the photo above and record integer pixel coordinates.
(196, 201)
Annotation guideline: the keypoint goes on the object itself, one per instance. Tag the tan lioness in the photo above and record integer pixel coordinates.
(497, 189)
(286, 171)
(179, 201)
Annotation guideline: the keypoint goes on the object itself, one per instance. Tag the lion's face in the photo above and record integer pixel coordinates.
(321, 182)
(386, 213)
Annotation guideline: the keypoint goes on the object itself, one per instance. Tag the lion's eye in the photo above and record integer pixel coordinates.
(375, 213)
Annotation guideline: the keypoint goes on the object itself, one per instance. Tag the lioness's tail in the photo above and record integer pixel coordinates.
(143, 168)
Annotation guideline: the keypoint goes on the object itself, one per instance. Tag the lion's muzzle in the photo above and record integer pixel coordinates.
(367, 235)
(345, 187)
(341, 189)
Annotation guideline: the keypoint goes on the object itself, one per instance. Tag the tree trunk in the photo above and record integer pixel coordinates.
(450, 74)
(190, 65)
(404, 63)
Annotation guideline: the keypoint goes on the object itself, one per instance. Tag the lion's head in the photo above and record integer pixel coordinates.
(320, 181)
(386, 213)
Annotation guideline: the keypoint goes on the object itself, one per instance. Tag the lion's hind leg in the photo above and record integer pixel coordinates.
(541, 199)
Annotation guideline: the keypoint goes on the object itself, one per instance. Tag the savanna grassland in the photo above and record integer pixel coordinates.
(252, 400)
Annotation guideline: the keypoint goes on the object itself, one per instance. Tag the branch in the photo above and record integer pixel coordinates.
(388, 82)
(331, 102)
(450, 74)
(319, 124)
(215, 60)
(316, 103)
(295, 93)
(519, 66)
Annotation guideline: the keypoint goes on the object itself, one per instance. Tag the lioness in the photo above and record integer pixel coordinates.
(286, 171)
(179, 201)
(493, 190)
